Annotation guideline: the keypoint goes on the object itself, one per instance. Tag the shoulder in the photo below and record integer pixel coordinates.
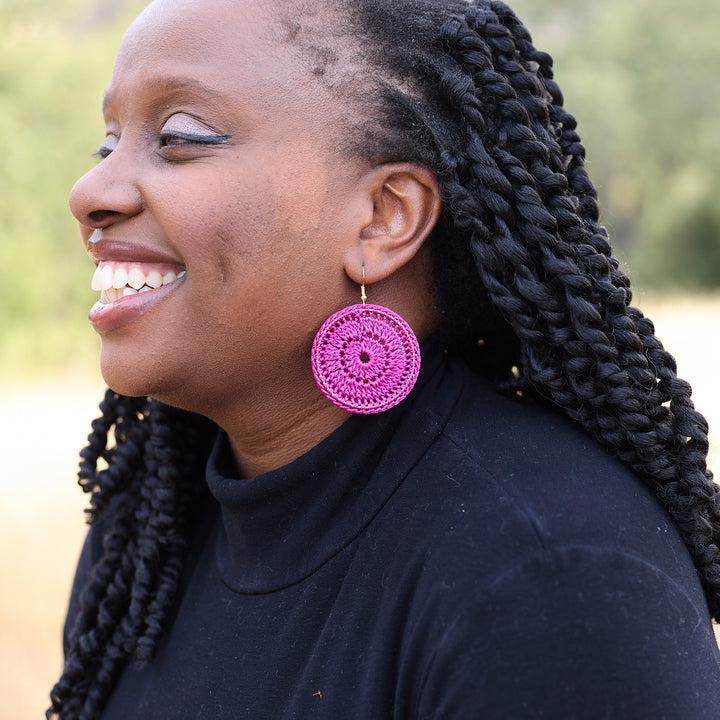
(518, 477)
(574, 632)
(545, 572)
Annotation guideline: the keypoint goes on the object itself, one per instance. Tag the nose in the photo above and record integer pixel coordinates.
(105, 195)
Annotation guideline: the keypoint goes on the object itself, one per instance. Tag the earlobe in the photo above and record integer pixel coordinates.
(406, 207)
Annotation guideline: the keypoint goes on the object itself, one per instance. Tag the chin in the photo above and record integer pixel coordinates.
(123, 385)
(150, 375)
(129, 374)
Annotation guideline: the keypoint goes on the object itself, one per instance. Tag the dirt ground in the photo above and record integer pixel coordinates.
(43, 425)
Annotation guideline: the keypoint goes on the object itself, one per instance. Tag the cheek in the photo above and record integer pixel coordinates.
(299, 188)
(227, 224)
(278, 192)
(265, 227)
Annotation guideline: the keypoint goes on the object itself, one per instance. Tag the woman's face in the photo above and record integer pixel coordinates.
(221, 168)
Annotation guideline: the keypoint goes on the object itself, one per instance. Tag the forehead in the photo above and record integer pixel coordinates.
(206, 34)
(261, 29)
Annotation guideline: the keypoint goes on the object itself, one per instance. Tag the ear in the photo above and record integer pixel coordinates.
(406, 206)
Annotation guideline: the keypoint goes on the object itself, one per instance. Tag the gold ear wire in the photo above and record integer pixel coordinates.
(363, 296)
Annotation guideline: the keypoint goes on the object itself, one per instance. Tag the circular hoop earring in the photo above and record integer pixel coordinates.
(365, 358)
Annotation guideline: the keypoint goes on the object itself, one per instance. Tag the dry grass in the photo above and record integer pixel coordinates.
(41, 428)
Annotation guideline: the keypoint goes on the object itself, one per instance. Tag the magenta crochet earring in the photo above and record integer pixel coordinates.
(365, 358)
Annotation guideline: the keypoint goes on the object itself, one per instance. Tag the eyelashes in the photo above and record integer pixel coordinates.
(107, 147)
(177, 138)
(181, 130)
(168, 140)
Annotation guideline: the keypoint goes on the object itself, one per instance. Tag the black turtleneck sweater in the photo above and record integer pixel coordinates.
(461, 556)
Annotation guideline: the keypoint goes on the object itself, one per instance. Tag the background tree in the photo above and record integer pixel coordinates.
(642, 79)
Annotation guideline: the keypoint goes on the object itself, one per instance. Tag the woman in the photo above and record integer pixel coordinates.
(363, 552)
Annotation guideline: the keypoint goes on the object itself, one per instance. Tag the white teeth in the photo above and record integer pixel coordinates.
(119, 282)
(136, 278)
(120, 278)
(95, 284)
(154, 279)
(106, 278)
(110, 295)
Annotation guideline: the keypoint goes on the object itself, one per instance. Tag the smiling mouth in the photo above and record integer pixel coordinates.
(116, 280)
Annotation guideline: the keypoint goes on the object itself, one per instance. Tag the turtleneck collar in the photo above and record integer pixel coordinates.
(281, 526)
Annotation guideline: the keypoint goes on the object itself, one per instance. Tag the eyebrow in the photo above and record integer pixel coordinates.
(171, 83)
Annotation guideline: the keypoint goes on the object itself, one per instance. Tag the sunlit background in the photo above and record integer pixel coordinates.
(640, 77)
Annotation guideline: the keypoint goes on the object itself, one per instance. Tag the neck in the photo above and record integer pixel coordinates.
(271, 442)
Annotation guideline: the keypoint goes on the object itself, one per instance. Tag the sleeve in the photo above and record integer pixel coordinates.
(576, 633)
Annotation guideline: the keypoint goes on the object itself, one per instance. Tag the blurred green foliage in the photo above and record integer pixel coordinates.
(55, 60)
(640, 77)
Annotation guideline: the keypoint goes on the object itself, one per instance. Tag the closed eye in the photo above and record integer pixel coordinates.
(102, 153)
(175, 138)
(107, 147)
